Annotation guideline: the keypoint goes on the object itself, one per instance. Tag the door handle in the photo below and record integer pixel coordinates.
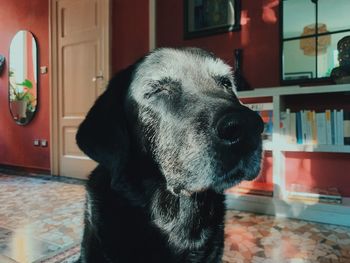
(94, 79)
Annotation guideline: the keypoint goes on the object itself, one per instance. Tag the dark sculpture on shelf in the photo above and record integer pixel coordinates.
(341, 74)
(241, 82)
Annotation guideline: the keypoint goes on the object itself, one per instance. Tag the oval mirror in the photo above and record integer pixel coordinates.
(23, 77)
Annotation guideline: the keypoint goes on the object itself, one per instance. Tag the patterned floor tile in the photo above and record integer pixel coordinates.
(39, 216)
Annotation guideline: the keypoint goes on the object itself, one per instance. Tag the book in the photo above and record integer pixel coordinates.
(253, 188)
(313, 128)
(265, 111)
(334, 126)
(299, 129)
(260, 106)
(293, 128)
(314, 194)
(306, 126)
(267, 117)
(321, 128)
(328, 127)
(283, 125)
(315, 200)
(346, 127)
(303, 126)
(340, 127)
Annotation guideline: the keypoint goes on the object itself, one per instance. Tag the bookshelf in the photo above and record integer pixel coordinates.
(319, 97)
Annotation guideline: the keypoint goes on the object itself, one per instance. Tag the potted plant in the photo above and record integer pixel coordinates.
(21, 99)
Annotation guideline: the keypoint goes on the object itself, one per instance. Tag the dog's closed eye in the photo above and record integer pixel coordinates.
(224, 82)
(165, 86)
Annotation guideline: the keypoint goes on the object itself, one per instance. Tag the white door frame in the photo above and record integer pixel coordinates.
(54, 132)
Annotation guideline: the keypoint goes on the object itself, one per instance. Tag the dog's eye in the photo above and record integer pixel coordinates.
(166, 86)
(224, 82)
(156, 88)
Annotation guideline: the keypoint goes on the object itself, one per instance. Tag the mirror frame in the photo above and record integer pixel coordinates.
(282, 40)
(36, 75)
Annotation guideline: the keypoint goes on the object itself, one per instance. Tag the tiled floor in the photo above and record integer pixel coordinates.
(40, 216)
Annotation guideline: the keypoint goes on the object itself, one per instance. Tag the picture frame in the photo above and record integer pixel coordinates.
(298, 75)
(208, 17)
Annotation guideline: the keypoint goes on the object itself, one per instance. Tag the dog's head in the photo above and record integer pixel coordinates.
(179, 107)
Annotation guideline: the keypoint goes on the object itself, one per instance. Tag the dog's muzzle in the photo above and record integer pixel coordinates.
(238, 126)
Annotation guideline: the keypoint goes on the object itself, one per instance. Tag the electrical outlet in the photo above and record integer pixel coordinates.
(36, 142)
(43, 70)
(43, 143)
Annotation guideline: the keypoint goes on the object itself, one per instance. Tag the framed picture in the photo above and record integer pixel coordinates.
(207, 17)
(298, 75)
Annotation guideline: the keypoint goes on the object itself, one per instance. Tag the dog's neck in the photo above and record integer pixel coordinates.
(185, 220)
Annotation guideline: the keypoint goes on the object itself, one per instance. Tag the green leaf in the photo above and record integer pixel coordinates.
(26, 83)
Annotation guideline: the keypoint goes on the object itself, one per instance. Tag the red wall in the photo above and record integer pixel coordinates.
(16, 142)
(320, 170)
(258, 37)
(129, 42)
(130, 32)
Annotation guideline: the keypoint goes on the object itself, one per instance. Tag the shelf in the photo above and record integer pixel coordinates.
(249, 197)
(267, 145)
(338, 214)
(293, 90)
(281, 98)
(270, 146)
(314, 148)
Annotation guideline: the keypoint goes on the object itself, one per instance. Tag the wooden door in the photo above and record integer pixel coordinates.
(80, 52)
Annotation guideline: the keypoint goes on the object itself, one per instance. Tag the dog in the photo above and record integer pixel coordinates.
(169, 135)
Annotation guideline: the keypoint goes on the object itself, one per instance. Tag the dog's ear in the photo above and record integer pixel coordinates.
(103, 134)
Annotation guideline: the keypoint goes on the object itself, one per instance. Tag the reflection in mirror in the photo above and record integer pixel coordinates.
(297, 14)
(311, 30)
(23, 77)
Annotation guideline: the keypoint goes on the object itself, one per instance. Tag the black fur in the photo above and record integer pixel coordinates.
(146, 202)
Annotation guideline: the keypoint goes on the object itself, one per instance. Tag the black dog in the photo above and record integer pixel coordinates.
(170, 136)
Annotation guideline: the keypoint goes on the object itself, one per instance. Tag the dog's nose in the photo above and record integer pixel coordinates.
(232, 127)
(228, 129)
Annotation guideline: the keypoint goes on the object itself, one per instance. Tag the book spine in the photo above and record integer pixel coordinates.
(299, 129)
(303, 126)
(287, 136)
(333, 126)
(308, 126)
(318, 200)
(313, 128)
(340, 119)
(293, 128)
(260, 106)
(267, 117)
(328, 127)
(346, 127)
(313, 195)
(283, 131)
(251, 192)
(321, 128)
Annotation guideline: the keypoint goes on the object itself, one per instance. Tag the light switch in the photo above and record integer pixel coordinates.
(43, 70)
